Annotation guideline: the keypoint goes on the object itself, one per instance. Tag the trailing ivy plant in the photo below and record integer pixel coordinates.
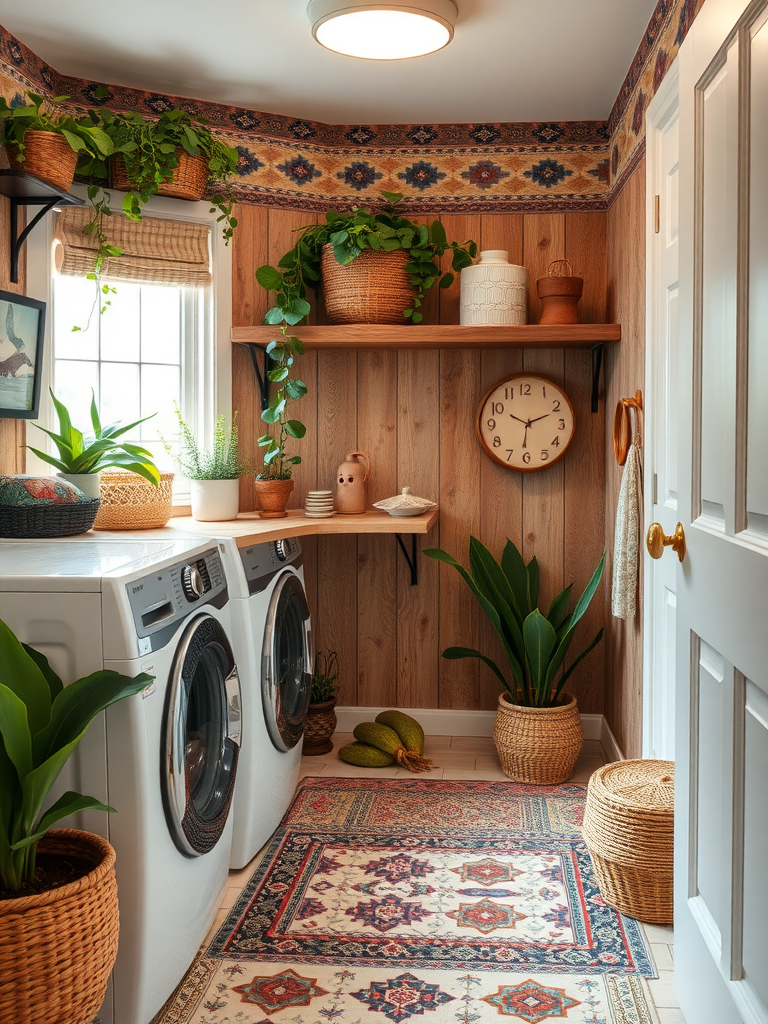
(351, 233)
(83, 135)
(277, 464)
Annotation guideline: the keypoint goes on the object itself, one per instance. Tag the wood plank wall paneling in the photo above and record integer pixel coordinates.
(414, 413)
(625, 372)
(13, 433)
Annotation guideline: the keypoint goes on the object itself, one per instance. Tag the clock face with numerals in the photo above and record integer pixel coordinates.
(525, 422)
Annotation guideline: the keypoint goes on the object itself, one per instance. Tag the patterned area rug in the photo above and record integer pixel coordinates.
(461, 901)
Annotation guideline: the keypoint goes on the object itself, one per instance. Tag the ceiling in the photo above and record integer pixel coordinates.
(510, 60)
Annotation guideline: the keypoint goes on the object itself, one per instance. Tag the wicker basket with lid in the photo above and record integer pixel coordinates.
(629, 829)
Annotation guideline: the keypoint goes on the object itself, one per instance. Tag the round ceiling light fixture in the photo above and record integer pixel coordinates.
(383, 31)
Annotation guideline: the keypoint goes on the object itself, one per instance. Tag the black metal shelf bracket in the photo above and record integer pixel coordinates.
(17, 240)
(597, 363)
(410, 559)
(260, 372)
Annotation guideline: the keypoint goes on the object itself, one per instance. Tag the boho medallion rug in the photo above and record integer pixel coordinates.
(456, 902)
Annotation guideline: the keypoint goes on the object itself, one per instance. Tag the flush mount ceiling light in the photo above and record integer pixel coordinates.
(383, 31)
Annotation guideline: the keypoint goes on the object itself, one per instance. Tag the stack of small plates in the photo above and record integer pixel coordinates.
(319, 504)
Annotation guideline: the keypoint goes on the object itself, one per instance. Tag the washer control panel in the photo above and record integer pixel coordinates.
(165, 596)
(262, 561)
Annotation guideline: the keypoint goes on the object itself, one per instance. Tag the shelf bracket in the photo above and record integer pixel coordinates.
(260, 372)
(410, 559)
(17, 240)
(597, 363)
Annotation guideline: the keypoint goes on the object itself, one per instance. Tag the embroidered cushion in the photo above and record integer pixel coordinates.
(36, 490)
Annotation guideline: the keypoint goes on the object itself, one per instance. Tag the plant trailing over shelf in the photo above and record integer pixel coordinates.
(83, 135)
(349, 234)
(219, 462)
(535, 645)
(80, 454)
(324, 682)
(277, 464)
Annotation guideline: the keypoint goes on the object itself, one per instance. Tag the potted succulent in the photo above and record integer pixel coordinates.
(321, 713)
(375, 266)
(58, 896)
(214, 472)
(538, 732)
(274, 483)
(82, 458)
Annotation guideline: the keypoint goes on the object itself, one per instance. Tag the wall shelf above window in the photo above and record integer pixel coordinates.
(24, 189)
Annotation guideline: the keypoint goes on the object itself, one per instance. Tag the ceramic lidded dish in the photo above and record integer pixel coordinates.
(405, 504)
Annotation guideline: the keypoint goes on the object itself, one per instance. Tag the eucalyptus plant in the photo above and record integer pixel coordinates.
(277, 464)
(535, 645)
(219, 462)
(349, 234)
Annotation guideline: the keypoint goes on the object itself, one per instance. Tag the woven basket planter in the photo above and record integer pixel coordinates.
(46, 155)
(538, 746)
(129, 502)
(629, 829)
(321, 725)
(190, 176)
(373, 289)
(57, 948)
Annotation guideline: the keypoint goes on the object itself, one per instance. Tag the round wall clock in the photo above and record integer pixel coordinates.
(525, 422)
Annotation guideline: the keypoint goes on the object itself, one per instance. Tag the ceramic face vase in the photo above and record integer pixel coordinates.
(350, 497)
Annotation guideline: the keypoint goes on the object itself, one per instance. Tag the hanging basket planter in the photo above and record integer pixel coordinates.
(190, 176)
(374, 288)
(48, 156)
(560, 292)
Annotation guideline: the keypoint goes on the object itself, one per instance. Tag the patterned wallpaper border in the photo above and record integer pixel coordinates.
(477, 168)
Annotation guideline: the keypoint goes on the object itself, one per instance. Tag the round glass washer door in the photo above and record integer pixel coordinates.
(201, 737)
(286, 662)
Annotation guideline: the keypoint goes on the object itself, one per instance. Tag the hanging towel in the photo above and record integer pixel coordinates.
(624, 590)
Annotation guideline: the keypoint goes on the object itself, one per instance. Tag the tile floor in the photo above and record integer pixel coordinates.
(474, 757)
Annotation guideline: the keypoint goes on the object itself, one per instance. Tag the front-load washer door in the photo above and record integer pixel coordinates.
(201, 736)
(286, 667)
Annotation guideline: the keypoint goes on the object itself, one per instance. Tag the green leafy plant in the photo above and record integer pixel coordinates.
(40, 115)
(350, 234)
(41, 723)
(80, 454)
(535, 645)
(278, 465)
(324, 683)
(219, 462)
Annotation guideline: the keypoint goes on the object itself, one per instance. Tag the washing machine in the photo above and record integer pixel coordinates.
(272, 638)
(165, 759)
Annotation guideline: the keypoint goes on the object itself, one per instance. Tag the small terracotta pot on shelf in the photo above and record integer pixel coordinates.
(48, 156)
(272, 496)
(560, 294)
(321, 725)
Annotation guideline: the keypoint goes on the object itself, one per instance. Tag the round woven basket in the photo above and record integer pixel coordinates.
(57, 948)
(129, 502)
(190, 176)
(538, 746)
(320, 726)
(373, 289)
(46, 155)
(629, 829)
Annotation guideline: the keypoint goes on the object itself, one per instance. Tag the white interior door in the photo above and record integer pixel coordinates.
(661, 413)
(721, 898)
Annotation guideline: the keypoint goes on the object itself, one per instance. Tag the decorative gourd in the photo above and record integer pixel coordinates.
(381, 736)
(365, 757)
(407, 728)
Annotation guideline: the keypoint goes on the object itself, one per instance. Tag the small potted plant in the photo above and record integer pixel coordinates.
(58, 895)
(374, 266)
(82, 458)
(214, 472)
(321, 713)
(538, 732)
(274, 483)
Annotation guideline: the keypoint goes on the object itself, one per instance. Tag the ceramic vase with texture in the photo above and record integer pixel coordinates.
(493, 291)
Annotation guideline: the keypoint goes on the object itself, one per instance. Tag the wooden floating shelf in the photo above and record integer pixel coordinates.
(416, 336)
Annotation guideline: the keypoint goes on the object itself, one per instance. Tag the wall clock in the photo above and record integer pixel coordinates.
(525, 422)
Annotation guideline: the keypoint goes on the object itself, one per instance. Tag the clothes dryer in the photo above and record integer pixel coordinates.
(166, 759)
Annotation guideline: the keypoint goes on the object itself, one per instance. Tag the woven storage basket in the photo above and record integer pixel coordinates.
(46, 155)
(629, 829)
(319, 727)
(57, 948)
(538, 745)
(373, 289)
(55, 520)
(190, 176)
(129, 502)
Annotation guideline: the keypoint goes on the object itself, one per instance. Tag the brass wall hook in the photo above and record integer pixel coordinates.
(622, 425)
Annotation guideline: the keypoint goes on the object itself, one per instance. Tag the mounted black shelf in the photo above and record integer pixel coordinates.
(24, 189)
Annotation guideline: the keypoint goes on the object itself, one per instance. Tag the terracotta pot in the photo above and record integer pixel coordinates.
(46, 155)
(59, 947)
(374, 288)
(272, 496)
(539, 746)
(560, 299)
(321, 723)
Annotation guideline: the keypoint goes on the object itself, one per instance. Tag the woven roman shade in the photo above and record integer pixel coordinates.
(155, 251)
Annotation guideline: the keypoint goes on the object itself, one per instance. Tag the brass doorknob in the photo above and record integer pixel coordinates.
(657, 540)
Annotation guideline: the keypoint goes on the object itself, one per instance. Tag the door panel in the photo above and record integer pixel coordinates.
(755, 926)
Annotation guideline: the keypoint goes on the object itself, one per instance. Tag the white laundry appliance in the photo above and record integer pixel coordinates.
(165, 759)
(272, 638)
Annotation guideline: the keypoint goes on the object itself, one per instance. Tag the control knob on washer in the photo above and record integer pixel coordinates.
(192, 582)
(280, 551)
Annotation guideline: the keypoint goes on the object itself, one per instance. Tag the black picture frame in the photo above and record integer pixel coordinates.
(22, 328)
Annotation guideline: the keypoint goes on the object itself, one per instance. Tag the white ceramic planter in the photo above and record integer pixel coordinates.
(89, 483)
(215, 501)
(493, 291)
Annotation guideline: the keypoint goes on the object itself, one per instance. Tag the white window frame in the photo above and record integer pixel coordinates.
(211, 367)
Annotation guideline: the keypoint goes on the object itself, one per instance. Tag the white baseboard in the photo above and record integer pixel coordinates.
(445, 722)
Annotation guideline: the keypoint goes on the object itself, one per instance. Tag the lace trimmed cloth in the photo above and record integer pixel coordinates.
(625, 552)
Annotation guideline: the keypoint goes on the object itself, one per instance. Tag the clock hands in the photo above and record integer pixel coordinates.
(527, 424)
(538, 418)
